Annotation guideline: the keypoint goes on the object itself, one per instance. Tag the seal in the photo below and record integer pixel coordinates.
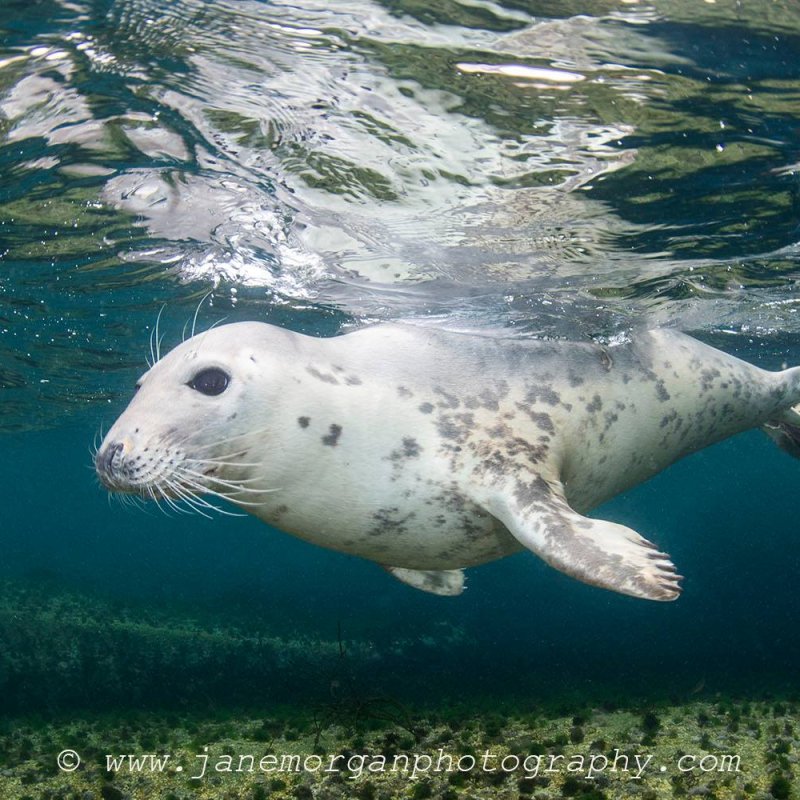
(428, 451)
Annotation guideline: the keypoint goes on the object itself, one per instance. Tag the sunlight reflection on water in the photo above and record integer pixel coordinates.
(567, 169)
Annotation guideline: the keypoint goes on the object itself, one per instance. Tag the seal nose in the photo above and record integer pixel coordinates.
(104, 460)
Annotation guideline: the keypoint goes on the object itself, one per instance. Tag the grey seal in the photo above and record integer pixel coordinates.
(428, 451)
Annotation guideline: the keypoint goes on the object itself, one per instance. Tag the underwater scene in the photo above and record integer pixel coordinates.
(514, 176)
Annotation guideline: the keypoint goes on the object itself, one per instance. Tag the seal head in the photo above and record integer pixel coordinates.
(187, 431)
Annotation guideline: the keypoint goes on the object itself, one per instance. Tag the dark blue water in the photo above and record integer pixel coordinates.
(550, 168)
(726, 515)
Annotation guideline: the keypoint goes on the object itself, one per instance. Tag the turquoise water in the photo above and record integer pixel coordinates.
(555, 168)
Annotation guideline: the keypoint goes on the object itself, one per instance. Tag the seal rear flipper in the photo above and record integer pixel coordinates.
(445, 582)
(784, 430)
(594, 551)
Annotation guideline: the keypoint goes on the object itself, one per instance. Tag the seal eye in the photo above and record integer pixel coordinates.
(211, 381)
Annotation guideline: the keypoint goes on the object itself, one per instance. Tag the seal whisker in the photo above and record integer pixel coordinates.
(153, 337)
(133, 501)
(171, 501)
(218, 462)
(197, 310)
(214, 324)
(173, 505)
(188, 495)
(196, 480)
(127, 500)
(230, 498)
(197, 477)
(233, 490)
(217, 509)
(182, 494)
(189, 484)
(93, 450)
(94, 447)
(202, 336)
(155, 498)
(212, 463)
(98, 437)
(158, 337)
(189, 489)
(232, 484)
(196, 485)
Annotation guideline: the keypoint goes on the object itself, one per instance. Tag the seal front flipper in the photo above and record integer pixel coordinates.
(594, 551)
(445, 582)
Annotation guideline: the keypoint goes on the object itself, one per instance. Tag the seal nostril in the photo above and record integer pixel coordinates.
(105, 459)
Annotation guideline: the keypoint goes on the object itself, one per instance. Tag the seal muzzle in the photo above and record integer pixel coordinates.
(107, 463)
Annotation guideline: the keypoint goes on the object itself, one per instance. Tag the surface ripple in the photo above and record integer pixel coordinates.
(553, 168)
